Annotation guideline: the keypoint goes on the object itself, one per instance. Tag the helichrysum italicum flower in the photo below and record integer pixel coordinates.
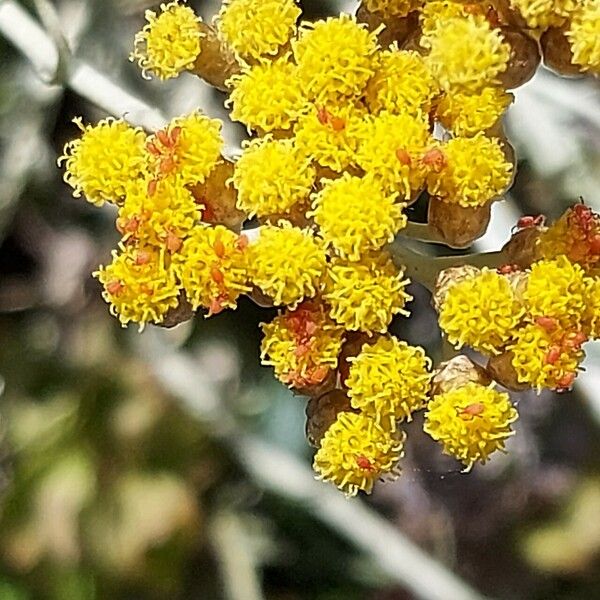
(471, 422)
(138, 285)
(402, 82)
(391, 148)
(591, 320)
(272, 176)
(334, 57)
(189, 147)
(468, 114)
(365, 295)
(556, 289)
(389, 380)
(170, 42)
(541, 359)
(355, 215)
(392, 8)
(474, 172)
(435, 13)
(330, 136)
(466, 54)
(302, 345)
(584, 35)
(163, 215)
(212, 268)
(355, 452)
(480, 311)
(267, 96)
(104, 160)
(541, 14)
(286, 263)
(255, 29)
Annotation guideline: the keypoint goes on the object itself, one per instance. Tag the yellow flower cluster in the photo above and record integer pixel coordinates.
(392, 8)
(584, 35)
(471, 422)
(541, 14)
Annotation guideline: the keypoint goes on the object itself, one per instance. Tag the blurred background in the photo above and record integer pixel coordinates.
(172, 465)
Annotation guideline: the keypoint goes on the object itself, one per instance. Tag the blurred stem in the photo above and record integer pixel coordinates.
(238, 568)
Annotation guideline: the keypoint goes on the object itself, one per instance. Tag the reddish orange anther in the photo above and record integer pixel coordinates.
(547, 323)
(163, 137)
(166, 165)
(115, 287)
(217, 275)
(242, 242)
(565, 382)
(434, 159)
(530, 221)
(364, 463)
(152, 185)
(553, 355)
(337, 123)
(173, 242)
(215, 306)
(219, 248)
(152, 149)
(404, 157)
(175, 135)
(142, 258)
(322, 115)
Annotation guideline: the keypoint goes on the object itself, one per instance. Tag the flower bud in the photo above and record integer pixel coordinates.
(556, 50)
(449, 277)
(322, 411)
(395, 29)
(501, 370)
(524, 58)
(180, 314)
(456, 373)
(522, 248)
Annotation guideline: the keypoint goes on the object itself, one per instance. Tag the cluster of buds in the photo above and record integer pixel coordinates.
(351, 120)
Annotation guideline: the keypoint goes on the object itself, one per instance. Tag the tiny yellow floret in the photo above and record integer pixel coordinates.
(170, 42)
(389, 380)
(355, 452)
(480, 311)
(356, 216)
(271, 177)
(583, 34)
(104, 160)
(255, 29)
(287, 264)
(471, 422)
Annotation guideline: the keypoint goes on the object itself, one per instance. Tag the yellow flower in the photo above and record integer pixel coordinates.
(556, 289)
(102, 162)
(475, 172)
(159, 213)
(392, 8)
(541, 14)
(391, 148)
(389, 380)
(435, 13)
(480, 311)
(402, 83)
(584, 35)
(541, 360)
(189, 147)
(592, 312)
(302, 345)
(471, 422)
(334, 57)
(170, 42)
(271, 177)
(365, 295)
(286, 263)
(212, 268)
(138, 285)
(255, 29)
(461, 66)
(329, 135)
(267, 97)
(355, 452)
(355, 215)
(468, 114)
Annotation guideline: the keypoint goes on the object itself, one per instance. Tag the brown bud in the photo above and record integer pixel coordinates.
(449, 277)
(556, 50)
(180, 314)
(395, 29)
(522, 249)
(216, 62)
(500, 369)
(321, 412)
(457, 226)
(456, 373)
(524, 58)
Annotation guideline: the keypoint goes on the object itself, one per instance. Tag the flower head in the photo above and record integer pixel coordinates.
(392, 8)
(334, 57)
(471, 422)
(591, 320)
(170, 42)
(541, 14)
(389, 380)
(584, 35)
(355, 452)
(391, 148)
(475, 171)
(104, 160)
(271, 177)
(355, 215)
(267, 96)
(189, 147)
(480, 311)
(402, 82)
(255, 29)
(466, 54)
(302, 345)
(435, 13)
(212, 268)
(286, 263)
(138, 285)
(365, 295)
